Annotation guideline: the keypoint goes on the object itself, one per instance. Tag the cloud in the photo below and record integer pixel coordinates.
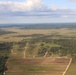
(53, 7)
(33, 8)
(28, 5)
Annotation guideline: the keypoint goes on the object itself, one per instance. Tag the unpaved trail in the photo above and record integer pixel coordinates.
(51, 55)
(24, 52)
(12, 51)
(46, 54)
(67, 67)
(46, 60)
(4, 73)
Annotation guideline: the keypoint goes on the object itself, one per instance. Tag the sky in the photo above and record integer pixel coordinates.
(37, 11)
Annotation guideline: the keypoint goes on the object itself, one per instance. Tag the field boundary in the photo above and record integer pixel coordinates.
(67, 67)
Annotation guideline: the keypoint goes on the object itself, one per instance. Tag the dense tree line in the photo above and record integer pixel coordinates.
(33, 35)
(2, 32)
(67, 46)
(21, 45)
(42, 51)
(4, 55)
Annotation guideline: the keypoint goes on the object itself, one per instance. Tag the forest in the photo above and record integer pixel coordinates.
(4, 55)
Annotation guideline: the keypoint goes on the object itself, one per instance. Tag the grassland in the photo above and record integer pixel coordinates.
(37, 66)
(65, 32)
(34, 63)
(72, 69)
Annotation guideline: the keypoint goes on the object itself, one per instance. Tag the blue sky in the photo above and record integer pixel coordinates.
(37, 11)
(62, 3)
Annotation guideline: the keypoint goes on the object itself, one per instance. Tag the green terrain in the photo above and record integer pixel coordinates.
(33, 50)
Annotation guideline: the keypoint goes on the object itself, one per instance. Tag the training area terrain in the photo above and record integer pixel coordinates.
(38, 49)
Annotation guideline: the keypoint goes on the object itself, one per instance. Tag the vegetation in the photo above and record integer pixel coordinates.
(31, 52)
(3, 32)
(4, 55)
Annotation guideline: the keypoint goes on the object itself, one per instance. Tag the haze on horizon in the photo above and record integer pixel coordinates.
(37, 11)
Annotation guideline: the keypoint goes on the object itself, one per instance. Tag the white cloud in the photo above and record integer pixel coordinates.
(65, 16)
(53, 7)
(28, 5)
(33, 8)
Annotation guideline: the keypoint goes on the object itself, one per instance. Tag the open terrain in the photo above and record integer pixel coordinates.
(37, 66)
(72, 69)
(39, 51)
(17, 34)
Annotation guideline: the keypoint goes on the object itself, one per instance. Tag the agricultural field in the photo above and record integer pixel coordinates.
(72, 69)
(35, 51)
(37, 66)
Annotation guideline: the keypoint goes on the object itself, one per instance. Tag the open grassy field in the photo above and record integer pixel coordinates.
(36, 61)
(72, 69)
(37, 66)
(13, 36)
(62, 31)
(40, 65)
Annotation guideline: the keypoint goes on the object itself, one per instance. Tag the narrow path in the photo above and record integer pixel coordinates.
(47, 59)
(51, 55)
(46, 54)
(34, 56)
(4, 73)
(24, 55)
(12, 51)
(24, 52)
(67, 67)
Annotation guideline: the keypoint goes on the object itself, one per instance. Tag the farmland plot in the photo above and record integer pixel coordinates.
(37, 66)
